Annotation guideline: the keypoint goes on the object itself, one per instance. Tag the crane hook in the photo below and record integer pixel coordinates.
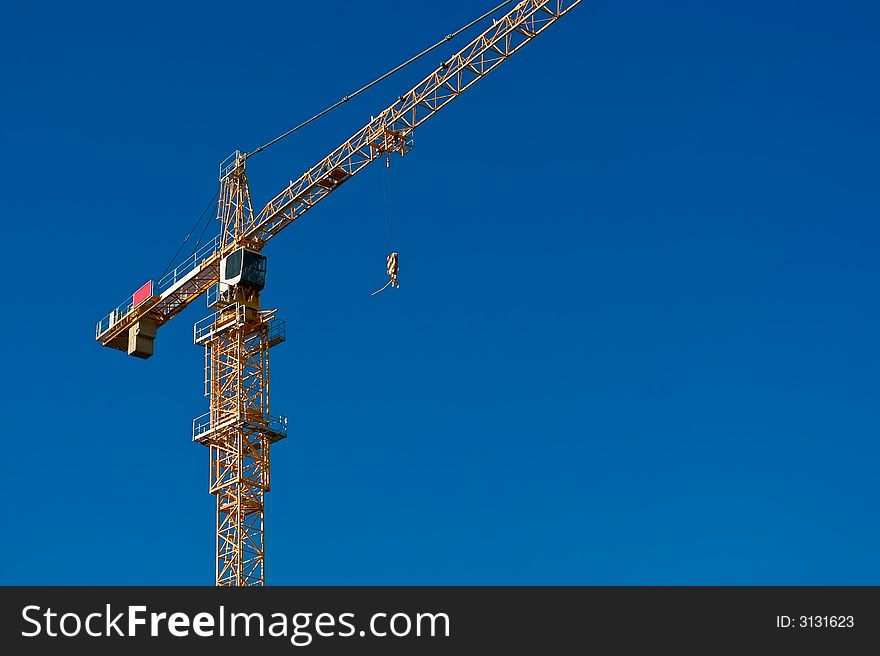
(391, 267)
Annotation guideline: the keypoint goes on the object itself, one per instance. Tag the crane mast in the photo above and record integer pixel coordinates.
(239, 427)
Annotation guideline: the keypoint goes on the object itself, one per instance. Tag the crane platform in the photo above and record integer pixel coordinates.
(275, 430)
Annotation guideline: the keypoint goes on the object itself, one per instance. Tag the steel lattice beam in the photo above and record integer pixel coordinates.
(237, 371)
(389, 131)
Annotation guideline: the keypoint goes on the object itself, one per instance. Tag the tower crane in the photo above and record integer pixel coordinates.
(239, 427)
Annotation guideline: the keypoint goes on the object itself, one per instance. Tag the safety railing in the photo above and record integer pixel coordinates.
(202, 425)
(278, 424)
(115, 316)
(166, 282)
(212, 295)
(277, 331)
(187, 266)
(228, 164)
(205, 327)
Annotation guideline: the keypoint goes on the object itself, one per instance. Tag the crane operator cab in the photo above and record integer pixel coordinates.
(242, 278)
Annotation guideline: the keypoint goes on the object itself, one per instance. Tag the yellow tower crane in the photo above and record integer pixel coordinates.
(239, 427)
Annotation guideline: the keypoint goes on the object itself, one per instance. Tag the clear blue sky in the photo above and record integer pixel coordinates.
(635, 340)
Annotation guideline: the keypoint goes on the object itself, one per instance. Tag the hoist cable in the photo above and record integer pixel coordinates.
(202, 233)
(191, 231)
(386, 203)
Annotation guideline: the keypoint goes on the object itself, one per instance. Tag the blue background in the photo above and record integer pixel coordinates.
(635, 340)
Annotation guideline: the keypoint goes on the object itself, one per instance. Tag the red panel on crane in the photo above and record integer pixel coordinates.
(142, 294)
